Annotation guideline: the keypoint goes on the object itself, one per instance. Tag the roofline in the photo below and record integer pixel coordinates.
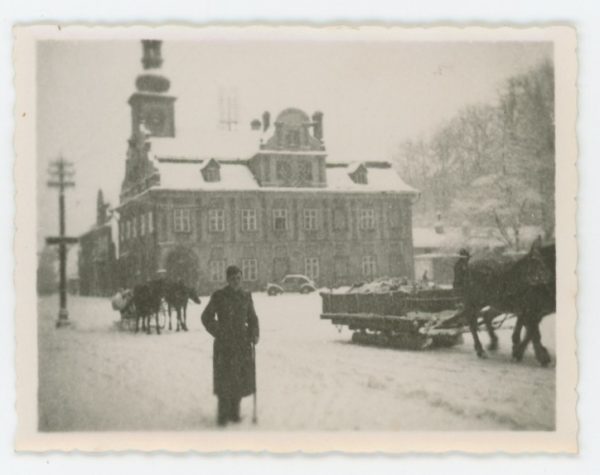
(291, 152)
(260, 190)
(192, 160)
(129, 200)
(272, 189)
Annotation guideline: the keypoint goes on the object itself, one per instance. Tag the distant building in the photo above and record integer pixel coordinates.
(436, 248)
(267, 198)
(97, 256)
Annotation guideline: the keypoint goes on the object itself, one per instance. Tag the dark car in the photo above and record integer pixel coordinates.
(292, 283)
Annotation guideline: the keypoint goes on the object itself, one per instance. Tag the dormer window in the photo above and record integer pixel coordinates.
(211, 172)
(358, 174)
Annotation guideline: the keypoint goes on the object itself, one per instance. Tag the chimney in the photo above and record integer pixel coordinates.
(318, 125)
(152, 58)
(266, 120)
(255, 124)
(439, 225)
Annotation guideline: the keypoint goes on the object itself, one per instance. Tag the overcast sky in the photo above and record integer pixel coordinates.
(373, 96)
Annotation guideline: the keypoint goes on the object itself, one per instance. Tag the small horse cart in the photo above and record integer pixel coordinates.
(404, 317)
(129, 315)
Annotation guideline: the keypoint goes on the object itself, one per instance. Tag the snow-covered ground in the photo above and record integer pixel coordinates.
(310, 377)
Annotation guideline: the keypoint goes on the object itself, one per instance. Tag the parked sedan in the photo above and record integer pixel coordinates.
(292, 283)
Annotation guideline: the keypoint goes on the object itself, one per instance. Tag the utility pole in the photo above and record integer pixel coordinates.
(61, 176)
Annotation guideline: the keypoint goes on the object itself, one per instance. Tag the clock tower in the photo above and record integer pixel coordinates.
(152, 109)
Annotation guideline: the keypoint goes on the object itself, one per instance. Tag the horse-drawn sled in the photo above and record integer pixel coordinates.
(130, 320)
(412, 318)
(491, 288)
(151, 304)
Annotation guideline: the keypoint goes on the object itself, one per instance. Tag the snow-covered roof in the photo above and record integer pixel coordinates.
(478, 237)
(180, 174)
(429, 238)
(437, 255)
(293, 152)
(354, 167)
(188, 176)
(219, 144)
(379, 179)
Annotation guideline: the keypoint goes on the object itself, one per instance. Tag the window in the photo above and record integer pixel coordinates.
(128, 229)
(216, 220)
(284, 170)
(311, 267)
(249, 220)
(340, 266)
(339, 219)
(217, 270)
(150, 222)
(134, 227)
(211, 174)
(280, 219)
(181, 219)
(121, 230)
(369, 266)
(249, 269)
(142, 224)
(367, 219)
(360, 177)
(310, 219)
(306, 173)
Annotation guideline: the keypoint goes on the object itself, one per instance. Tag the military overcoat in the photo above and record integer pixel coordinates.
(231, 319)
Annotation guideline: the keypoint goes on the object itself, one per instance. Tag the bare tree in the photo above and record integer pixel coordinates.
(492, 165)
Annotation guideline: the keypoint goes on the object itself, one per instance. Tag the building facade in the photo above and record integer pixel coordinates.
(280, 205)
(97, 260)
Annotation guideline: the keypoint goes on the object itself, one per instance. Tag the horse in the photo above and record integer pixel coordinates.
(524, 286)
(542, 301)
(147, 300)
(177, 295)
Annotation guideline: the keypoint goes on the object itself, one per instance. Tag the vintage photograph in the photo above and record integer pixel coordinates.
(242, 232)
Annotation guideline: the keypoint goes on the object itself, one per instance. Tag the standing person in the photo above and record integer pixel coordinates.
(461, 272)
(230, 318)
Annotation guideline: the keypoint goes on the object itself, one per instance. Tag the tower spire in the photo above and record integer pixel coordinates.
(150, 104)
(152, 58)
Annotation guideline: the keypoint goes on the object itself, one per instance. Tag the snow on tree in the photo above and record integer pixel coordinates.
(491, 165)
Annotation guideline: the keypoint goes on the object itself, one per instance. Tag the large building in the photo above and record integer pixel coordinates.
(276, 205)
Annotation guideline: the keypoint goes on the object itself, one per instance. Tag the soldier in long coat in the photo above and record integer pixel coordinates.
(231, 319)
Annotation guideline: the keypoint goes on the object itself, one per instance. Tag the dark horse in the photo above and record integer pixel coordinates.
(177, 295)
(525, 287)
(147, 300)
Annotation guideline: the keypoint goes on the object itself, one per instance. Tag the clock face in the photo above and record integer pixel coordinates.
(156, 119)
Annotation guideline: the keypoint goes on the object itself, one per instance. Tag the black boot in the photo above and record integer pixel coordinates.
(222, 411)
(234, 410)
